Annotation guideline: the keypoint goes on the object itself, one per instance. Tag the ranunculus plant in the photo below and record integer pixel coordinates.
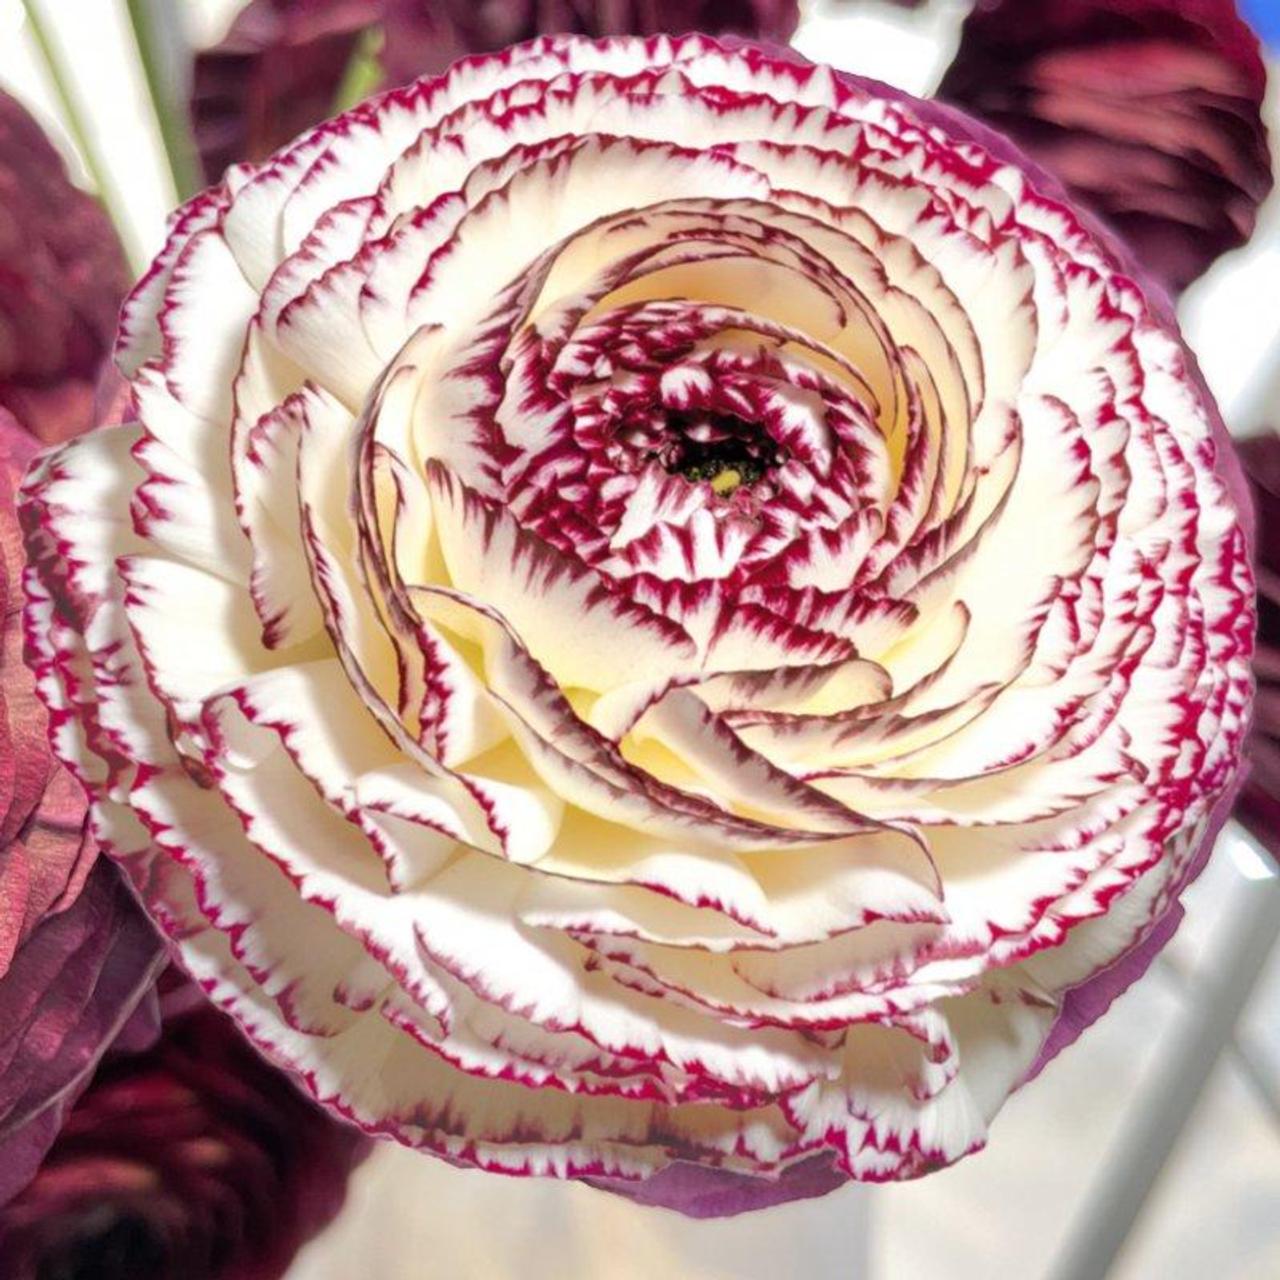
(668, 616)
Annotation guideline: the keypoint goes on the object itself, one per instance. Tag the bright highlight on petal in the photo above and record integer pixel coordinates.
(663, 606)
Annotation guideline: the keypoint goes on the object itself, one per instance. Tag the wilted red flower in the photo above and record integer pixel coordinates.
(76, 953)
(1149, 111)
(1259, 804)
(62, 275)
(192, 1161)
(280, 65)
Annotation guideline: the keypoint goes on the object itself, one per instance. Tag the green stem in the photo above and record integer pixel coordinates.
(363, 73)
(74, 120)
(171, 115)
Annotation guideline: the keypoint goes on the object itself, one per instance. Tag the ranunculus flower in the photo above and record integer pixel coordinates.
(669, 616)
(1148, 110)
(279, 67)
(1259, 806)
(62, 275)
(76, 953)
(192, 1161)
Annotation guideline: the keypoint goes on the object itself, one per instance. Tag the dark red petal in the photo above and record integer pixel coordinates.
(1148, 110)
(71, 989)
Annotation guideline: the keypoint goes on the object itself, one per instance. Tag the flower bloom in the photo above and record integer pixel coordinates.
(279, 67)
(192, 1161)
(62, 275)
(664, 607)
(76, 953)
(1148, 110)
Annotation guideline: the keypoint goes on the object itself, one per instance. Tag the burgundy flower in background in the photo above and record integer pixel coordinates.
(62, 275)
(274, 73)
(192, 1161)
(425, 36)
(1148, 110)
(1259, 804)
(278, 68)
(76, 953)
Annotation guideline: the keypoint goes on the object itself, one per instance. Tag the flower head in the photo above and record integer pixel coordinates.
(669, 616)
(62, 275)
(194, 1160)
(1148, 110)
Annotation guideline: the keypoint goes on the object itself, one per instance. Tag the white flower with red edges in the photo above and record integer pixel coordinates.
(667, 616)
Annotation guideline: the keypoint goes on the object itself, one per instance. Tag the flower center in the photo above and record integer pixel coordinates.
(726, 451)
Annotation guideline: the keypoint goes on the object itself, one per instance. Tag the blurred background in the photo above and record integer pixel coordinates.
(1064, 1182)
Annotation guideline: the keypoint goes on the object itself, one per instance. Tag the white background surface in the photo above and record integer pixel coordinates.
(1004, 1212)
